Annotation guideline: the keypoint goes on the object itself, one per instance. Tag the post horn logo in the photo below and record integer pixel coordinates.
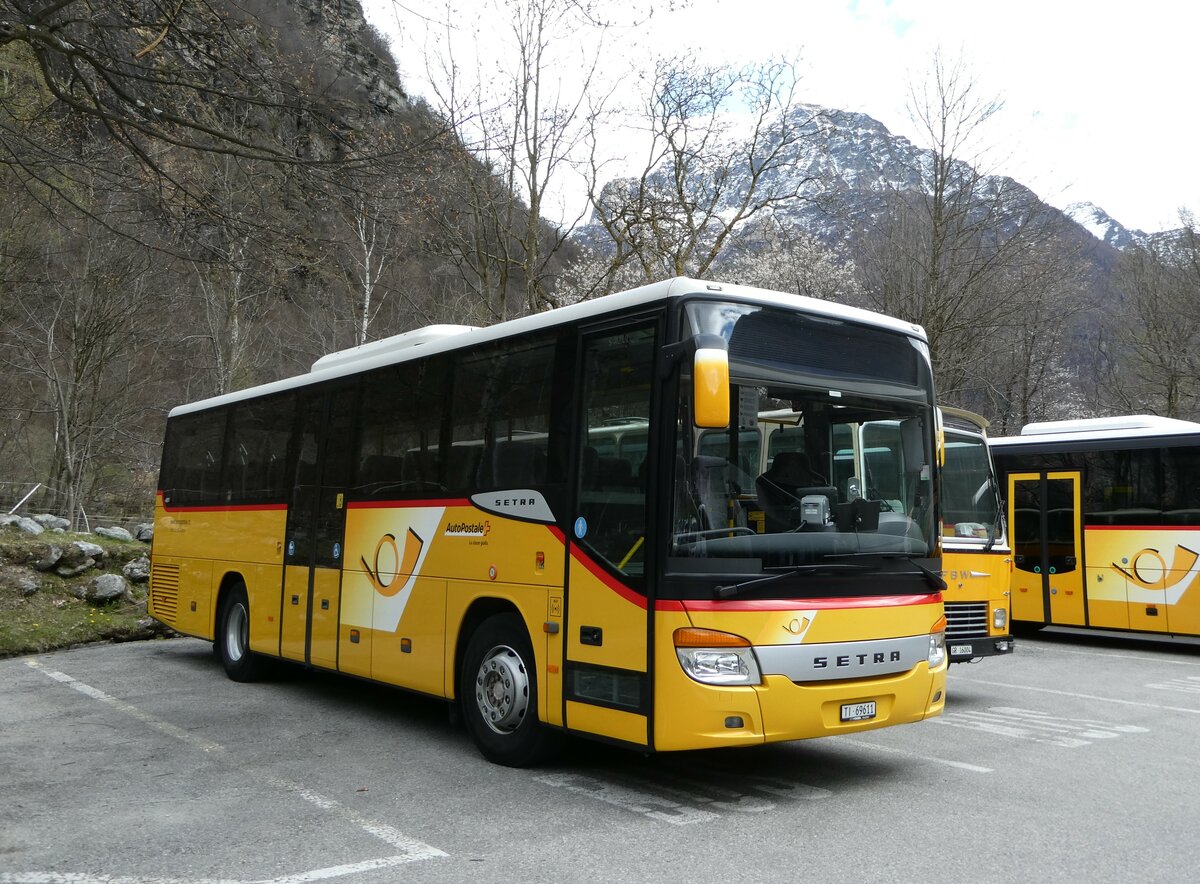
(798, 625)
(1148, 568)
(389, 564)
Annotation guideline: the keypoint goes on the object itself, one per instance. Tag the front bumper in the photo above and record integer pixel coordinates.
(964, 650)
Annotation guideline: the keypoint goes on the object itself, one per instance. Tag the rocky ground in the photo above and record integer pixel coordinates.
(59, 589)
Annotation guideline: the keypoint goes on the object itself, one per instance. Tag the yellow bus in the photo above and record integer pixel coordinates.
(520, 519)
(976, 557)
(1105, 517)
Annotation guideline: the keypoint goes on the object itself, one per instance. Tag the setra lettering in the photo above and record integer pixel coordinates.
(845, 661)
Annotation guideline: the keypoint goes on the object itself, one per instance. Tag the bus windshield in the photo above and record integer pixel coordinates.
(970, 499)
(827, 464)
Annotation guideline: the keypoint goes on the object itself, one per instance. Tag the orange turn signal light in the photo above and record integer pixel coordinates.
(693, 637)
(939, 625)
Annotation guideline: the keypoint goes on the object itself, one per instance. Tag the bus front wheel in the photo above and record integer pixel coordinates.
(498, 693)
(233, 637)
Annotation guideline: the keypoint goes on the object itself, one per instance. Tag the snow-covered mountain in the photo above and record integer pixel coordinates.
(844, 164)
(1104, 226)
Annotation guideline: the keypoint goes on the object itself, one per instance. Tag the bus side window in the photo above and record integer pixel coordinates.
(400, 430)
(501, 394)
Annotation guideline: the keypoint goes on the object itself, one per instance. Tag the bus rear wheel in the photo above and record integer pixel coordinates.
(498, 693)
(233, 637)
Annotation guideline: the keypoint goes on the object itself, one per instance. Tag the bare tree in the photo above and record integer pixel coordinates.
(523, 121)
(79, 337)
(781, 256)
(724, 149)
(967, 255)
(1152, 357)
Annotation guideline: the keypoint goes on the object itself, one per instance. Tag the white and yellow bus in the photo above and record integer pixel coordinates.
(976, 557)
(520, 519)
(1105, 517)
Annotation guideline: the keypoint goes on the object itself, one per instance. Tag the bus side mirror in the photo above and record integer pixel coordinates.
(710, 383)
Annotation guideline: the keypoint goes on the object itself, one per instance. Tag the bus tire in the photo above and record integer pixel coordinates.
(498, 693)
(233, 637)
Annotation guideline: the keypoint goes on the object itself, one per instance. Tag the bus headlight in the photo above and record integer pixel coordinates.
(999, 618)
(712, 657)
(937, 644)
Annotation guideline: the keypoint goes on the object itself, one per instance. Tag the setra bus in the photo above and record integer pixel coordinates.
(523, 520)
(976, 557)
(1105, 517)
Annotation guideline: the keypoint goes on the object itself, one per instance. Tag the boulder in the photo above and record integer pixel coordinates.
(52, 523)
(107, 588)
(114, 533)
(90, 549)
(75, 560)
(137, 570)
(48, 558)
(144, 532)
(22, 523)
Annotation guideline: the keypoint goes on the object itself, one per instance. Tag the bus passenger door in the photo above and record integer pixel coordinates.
(1047, 583)
(606, 684)
(315, 528)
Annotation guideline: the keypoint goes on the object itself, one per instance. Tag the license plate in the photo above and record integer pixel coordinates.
(960, 650)
(858, 711)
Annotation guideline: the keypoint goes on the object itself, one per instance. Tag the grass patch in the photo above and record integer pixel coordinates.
(53, 616)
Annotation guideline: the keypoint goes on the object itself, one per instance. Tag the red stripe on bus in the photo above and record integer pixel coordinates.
(880, 601)
(607, 579)
(228, 508)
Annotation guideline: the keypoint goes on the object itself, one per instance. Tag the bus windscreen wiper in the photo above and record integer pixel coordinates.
(734, 589)
(932, 577)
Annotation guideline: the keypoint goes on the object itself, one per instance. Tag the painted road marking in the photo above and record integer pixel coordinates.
(1025, 687)
(1189, 685)
(1029, 724)
(326, 874)
(412, 849)
(683, 800)
(654, 807)
(1141, 658)
(957, 765)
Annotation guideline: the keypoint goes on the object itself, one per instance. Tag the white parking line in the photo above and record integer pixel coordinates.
(413, 850)
(1025, 687)
(932, 759)
(1139, 657)
(326, 874)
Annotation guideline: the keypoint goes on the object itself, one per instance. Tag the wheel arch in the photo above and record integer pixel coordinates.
(479, 611)
(229, 580)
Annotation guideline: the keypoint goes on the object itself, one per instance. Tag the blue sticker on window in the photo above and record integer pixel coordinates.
(337, 550)
(580, 527)
(291, 547)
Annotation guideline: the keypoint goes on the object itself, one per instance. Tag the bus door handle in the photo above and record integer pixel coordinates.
(591, 635)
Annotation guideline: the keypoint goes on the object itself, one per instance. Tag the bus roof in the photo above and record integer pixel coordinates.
(1130, 426)
(442, 338)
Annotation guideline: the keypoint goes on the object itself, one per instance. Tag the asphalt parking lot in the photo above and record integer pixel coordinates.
(1073, 759)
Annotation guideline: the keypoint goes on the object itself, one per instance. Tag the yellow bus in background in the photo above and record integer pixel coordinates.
(976, 557)
(1105, 517)
(522, 520)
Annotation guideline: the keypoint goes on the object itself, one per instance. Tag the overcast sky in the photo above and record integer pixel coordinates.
(1099, 96)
